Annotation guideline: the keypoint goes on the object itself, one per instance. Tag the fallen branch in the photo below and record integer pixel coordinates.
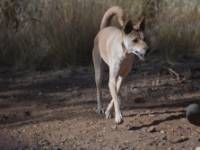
(175, 73)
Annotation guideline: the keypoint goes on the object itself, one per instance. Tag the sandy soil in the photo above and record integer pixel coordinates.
(56, 110)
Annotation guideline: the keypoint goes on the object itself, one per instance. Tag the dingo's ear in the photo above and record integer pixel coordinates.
(140, 25)
(128, 27)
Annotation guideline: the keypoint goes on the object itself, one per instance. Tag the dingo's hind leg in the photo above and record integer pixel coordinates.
(98, 68)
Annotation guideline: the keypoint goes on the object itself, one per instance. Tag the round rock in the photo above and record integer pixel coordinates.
(193, 114)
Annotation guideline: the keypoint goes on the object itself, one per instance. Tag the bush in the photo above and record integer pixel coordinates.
(46, 34)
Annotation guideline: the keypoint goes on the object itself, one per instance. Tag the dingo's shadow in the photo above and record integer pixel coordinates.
(157, 122)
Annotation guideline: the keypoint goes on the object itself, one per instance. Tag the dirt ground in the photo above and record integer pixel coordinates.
(56, 110)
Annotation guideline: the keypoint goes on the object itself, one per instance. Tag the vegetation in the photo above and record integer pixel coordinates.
(46, 34)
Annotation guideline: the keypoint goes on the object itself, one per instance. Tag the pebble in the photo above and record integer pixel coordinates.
(197, 148)
(162, 131)
(151, 115)
(151, 129)
(84, 131)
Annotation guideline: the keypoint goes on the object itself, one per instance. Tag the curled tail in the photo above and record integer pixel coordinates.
(110, 13)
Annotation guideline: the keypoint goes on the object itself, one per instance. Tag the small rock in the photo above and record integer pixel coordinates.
(151, 129)
(151, 115)
(84, 131)
(104, 129)
(197, 148)
(170, 148)
(24, 130)
(162, 132)
(99, 140)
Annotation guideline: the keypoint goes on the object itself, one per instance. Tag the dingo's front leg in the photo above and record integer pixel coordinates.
(115, 98)
(110, 105)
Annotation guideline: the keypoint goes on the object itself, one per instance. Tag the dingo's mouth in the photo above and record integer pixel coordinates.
(138, 54)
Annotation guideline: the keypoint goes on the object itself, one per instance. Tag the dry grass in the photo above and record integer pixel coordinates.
(46, 34)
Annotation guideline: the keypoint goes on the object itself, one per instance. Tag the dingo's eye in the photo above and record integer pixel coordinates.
(135, 40)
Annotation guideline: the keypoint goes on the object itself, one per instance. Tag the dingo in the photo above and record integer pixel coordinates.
(118, 49)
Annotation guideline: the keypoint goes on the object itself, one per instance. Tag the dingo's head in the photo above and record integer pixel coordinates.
(133, 39)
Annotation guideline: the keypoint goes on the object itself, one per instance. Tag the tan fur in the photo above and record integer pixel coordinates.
(113, 11)
(116, 47)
